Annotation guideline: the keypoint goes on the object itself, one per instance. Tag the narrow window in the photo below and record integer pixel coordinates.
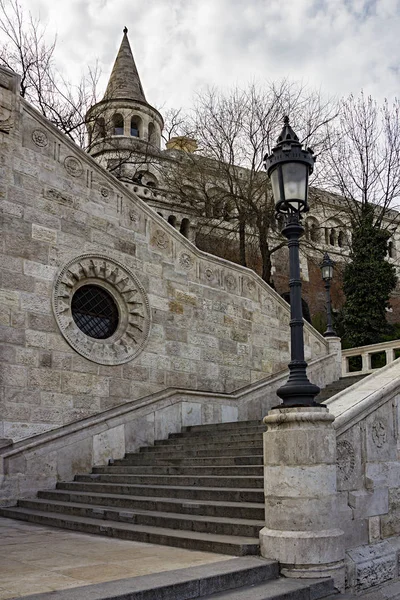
(185, 227)
(135, 127)
(118, 123)
(172, 220)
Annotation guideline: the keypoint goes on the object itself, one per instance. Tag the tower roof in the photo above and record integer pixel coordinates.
(124, 80)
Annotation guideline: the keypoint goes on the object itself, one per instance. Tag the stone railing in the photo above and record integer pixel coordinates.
(40, 461)
(381, 354)
(367, 418)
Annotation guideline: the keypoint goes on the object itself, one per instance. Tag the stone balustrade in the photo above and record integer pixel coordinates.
(371, 357)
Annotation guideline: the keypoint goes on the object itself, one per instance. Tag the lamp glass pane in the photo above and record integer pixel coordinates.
(327, 272)
(295, 182)
(275, 185)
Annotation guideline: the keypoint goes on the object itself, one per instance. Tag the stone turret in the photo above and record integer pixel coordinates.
(123, 121)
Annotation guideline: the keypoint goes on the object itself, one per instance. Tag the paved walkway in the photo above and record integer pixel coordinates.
(37, 559)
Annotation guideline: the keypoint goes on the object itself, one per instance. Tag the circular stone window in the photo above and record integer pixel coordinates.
(101, 309)
(95, 311)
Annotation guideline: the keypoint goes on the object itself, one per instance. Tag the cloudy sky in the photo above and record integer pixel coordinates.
(180, 46)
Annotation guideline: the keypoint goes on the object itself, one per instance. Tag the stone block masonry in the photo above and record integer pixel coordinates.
(186, 319)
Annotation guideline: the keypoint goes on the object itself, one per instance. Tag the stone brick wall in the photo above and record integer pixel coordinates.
(213, 326)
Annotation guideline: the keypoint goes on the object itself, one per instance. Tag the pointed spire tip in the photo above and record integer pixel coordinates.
(125, 30)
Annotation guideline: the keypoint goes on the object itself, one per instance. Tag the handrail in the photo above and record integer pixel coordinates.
(366, 353)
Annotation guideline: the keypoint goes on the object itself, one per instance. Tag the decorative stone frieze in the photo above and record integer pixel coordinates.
(134, 311)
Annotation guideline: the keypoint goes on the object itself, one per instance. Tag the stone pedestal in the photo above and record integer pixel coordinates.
(301, 508)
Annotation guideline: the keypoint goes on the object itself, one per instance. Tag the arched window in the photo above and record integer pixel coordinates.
(332, 237)
(341, 239)
(118, 124)
(172, 220)
(152, 133)
(185, 227)
(390, 249)
(135, 127)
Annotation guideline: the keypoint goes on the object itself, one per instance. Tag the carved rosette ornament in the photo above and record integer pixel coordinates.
(73, 166)
(126, 292)
(40, 138)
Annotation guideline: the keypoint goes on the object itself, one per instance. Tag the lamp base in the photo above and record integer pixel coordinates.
(298, 390)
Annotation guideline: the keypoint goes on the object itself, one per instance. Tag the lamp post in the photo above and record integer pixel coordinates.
(288, 167)
(327, 274)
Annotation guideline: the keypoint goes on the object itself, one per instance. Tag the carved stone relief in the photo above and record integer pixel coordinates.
(186, 260)
(161, 239)
(73, 166)
(230, 283)
(40, 138)
(379, 433)
(127, 292)
(345, 459)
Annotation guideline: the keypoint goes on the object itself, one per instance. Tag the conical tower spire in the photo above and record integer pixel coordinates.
(124, 82)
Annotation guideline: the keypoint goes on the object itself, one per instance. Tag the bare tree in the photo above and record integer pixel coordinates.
(26, 51)
(362, 163)
(225, 178)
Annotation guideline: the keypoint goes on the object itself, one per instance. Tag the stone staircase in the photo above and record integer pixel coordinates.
(200, 489)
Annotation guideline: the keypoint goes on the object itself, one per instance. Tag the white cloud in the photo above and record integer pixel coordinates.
(179, 46)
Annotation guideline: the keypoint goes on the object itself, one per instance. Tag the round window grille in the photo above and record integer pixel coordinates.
(101, 309)
(95, 312)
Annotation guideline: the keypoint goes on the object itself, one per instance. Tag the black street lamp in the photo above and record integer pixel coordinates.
(288, 167)
(327, 274)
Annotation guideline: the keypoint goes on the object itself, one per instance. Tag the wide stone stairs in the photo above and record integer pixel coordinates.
(200, 489)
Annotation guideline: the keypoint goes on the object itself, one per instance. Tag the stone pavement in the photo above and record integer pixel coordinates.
(37, 559)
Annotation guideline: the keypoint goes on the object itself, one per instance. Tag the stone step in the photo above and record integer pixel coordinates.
(207, 542)
(279, 589)
(237, 510)
(213, 430)
(234, 425)
(193, 582)
(176, 480)
(169, 491)
(162, 453)
(215, 438)
(210, 470)
(194, 449)
(203, 524)
(147, 459)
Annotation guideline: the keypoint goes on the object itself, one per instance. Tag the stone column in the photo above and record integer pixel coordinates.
(335, 346)
(301, 505)
(389, 355)
(366, 361)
